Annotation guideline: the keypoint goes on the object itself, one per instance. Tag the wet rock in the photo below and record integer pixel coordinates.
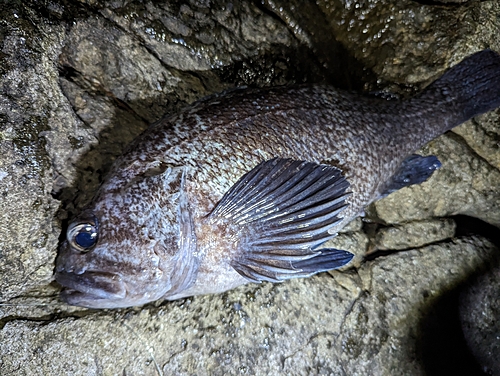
(480, 317)
(482, 135)
(198, 36)
(30, 105)
(407, 43)
(402, 289)
(414, 234)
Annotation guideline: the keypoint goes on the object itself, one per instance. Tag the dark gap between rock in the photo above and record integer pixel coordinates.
(473, 226)
(441, 344)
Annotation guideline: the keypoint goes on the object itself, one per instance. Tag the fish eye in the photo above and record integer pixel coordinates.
(82, 236)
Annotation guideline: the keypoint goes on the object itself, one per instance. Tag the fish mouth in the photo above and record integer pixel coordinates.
(91, 289)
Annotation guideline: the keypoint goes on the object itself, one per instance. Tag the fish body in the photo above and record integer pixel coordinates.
(244, 186)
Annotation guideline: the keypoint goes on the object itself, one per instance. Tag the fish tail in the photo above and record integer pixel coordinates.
(468, 89)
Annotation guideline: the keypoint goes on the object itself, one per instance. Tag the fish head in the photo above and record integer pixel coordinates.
(129, 247)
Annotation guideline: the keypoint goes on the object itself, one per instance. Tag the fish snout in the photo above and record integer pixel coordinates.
(91, 289)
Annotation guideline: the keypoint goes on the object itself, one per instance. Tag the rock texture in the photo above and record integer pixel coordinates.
(414, 234)
(79, 80)
(31, 104)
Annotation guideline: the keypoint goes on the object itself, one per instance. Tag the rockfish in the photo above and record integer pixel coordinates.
(244, 186)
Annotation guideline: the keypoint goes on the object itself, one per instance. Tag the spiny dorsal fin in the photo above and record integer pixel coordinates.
(282, 210)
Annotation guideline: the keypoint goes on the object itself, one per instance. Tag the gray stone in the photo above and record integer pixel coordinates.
(406, 42)
(414, 234)
(30, 104)
(482, 135)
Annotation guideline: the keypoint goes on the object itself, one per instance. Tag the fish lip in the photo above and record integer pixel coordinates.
(90, 286)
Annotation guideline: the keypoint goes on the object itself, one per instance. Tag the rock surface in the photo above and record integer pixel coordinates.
(414, 234)
(31, 104)
(79, 80)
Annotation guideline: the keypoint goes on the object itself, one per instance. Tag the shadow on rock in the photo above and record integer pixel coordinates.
(443, 343)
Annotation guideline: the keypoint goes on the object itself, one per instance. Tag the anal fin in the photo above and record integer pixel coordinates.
(414, 170)
(275, 270)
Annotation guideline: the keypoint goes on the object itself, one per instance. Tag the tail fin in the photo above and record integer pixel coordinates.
(472, 86)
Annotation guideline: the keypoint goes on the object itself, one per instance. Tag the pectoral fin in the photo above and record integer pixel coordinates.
(281, 211)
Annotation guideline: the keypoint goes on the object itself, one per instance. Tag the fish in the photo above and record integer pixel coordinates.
(246, 185)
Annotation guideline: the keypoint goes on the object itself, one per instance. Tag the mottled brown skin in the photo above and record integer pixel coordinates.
(186, 162)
